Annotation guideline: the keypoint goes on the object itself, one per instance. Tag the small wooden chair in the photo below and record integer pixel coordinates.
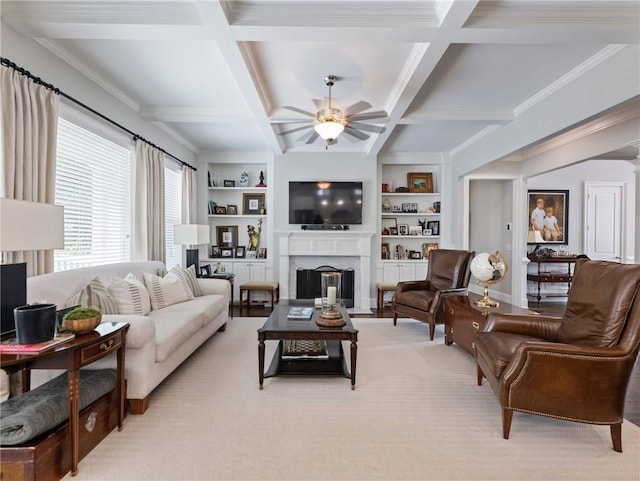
(273, 288)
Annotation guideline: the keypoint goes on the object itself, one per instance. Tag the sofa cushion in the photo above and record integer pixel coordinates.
(95, 295)
(188, 275)
(173, 329)
(167, 290)
(206, 308)
(131, 295)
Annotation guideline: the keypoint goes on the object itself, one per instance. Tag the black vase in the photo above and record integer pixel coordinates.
(35, 323)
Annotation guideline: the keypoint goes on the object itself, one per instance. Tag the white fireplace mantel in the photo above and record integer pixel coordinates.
(326, 244)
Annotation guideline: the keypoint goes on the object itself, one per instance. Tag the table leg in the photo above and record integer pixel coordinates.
(73, 386)
(261, 361)
(231, 305)
(354, 355)
(121, 384)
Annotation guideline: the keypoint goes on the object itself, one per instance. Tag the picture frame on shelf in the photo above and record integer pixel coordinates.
(427, 232)
(385, 251)
(393, 231)
(240, 252)
(427, 247)
(226, 252)
(226, 235)
(388, 223)
(250, 254)
(220, 209)
(555, 202)
(253, 204)
(232, 209)
(434, 225)
(415, 255)
(415, 230)
(205, 270)
(420, 182)
(229, 183)
(403, 229)
(215, 251)
(262, 253)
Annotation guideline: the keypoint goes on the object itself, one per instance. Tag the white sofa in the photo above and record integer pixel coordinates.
(156, 343)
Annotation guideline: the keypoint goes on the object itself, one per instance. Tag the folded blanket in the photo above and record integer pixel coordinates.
(32, 413)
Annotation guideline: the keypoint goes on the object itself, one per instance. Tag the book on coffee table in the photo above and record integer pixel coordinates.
(11, 346)
(303, 313)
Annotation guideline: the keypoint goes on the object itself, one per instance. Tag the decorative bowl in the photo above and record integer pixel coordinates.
(81, 326)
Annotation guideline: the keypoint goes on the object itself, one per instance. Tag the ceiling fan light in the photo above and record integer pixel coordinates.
(329, 129)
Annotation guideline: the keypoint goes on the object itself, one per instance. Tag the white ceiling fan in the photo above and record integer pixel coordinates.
(329, 122)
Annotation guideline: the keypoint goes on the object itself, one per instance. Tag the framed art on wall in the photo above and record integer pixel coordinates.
(548, 214)
(227, 235)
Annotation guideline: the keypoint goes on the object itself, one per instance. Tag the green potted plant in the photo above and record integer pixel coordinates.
(81, 320)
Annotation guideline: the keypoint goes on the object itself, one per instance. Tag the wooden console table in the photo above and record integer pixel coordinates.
(542, 276)
(80, 351)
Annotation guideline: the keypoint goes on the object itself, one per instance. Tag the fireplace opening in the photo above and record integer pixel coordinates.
(309, 284)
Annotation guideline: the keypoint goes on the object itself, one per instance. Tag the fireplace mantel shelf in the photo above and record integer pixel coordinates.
(326, 244)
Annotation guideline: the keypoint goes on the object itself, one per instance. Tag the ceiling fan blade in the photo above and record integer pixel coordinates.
(300, 111)
(320, 104)
(305, 136)
(313, 137)
(295, 130)
(357, 108)
(356, 133)
(367, 127)
(378, 114)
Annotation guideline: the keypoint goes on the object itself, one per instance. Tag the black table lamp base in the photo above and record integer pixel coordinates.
(192, 259)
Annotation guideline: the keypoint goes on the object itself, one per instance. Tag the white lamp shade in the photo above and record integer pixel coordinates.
(30, 226)
(329, 130)
(190, 234)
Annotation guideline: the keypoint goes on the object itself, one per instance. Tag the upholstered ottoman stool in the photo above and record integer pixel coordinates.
(273, 288)
(382, 288)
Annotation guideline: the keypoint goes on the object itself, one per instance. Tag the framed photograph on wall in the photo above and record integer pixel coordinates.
(420, 182)
(548, 216)
(227, 235)
(252, 204)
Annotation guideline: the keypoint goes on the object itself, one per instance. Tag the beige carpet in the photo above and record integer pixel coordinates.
(416, 414)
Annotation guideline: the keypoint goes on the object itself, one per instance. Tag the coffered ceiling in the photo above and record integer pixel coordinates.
(217, 74)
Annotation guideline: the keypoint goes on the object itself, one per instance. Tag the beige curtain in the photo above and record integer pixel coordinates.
(29, 136)
(189, 206)
(148, 209)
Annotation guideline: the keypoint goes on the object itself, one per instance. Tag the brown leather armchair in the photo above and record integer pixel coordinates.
(576, 367)
(449, 272)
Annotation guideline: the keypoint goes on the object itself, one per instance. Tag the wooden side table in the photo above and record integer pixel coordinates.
(82, 350)
(463, 319)
(543, 276)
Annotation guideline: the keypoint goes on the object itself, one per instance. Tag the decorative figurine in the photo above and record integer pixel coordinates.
(261, 184)
(254, 236)
(244, 179)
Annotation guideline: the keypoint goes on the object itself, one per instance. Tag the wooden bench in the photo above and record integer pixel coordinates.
(273, 288)
(384, 287)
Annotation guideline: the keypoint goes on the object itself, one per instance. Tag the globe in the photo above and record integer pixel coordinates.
(488, 269)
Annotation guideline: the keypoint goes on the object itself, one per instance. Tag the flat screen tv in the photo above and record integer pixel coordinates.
(325, 202)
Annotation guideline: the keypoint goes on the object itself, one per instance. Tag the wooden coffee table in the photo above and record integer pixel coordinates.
(279, 328)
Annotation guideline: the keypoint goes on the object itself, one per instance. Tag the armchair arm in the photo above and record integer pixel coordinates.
(438, 295)
(403, 286)
(543, 327)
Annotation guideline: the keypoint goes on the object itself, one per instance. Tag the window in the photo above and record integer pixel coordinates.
(172, 213)
(93, 183)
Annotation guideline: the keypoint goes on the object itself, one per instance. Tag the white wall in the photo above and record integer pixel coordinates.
(572, 178)
(31, 56)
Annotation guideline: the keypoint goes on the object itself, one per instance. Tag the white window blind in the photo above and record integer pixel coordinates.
(93, 183)
(172, 213)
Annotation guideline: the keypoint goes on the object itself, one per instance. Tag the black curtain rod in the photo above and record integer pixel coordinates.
(37, 80)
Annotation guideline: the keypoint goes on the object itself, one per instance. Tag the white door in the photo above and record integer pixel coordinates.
(603, 220)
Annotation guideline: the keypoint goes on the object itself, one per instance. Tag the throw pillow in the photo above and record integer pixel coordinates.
(95, 295)
(188, 275)
(131, 295)
(167, 290)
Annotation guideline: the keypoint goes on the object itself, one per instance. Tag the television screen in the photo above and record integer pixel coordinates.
(325, 202)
